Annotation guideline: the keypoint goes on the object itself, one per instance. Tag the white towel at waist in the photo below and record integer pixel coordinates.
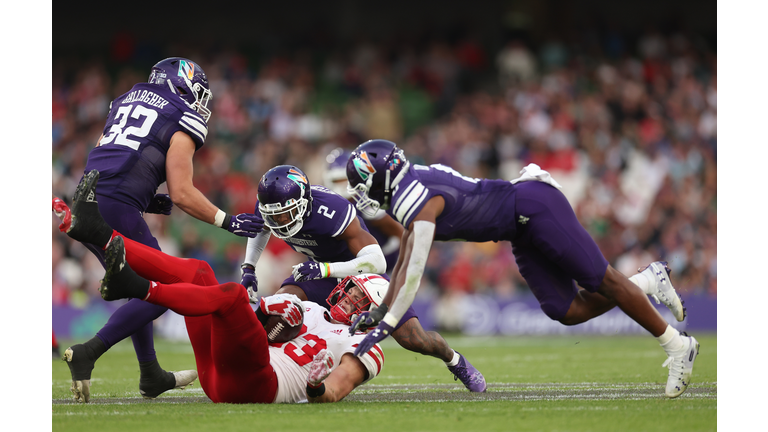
(534, 172)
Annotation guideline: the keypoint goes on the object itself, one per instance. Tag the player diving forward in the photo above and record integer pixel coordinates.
(150, 137)
(382, 227)
(235, 362)
(326, 228)
(551, 248)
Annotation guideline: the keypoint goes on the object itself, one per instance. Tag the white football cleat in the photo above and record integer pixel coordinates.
(680, 366)
(663, 291)
(184, 378)
(181, 380)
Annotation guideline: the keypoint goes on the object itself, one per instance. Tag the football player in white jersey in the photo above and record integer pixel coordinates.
(235, 361)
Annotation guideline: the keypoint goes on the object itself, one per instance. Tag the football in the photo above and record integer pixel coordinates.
(278, 330)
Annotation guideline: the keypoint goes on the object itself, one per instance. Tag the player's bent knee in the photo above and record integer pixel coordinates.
(204, 274)
(570, 321)
(611, 284)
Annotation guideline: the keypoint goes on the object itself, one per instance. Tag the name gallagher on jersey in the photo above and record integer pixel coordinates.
(147, 97)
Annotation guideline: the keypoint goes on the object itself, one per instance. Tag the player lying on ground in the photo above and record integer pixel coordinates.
(326, 228)
(236, 364)
(150, 137)
(552, 250)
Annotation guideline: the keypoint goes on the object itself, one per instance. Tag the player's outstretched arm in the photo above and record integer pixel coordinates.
(346, 377)
(368, 258)
(417, 241)
(253, 250)
(179, 172)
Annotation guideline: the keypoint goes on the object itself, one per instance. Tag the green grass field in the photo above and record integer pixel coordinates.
(557, 383)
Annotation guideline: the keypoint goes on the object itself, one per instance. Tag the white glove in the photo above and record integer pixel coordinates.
(320, 368)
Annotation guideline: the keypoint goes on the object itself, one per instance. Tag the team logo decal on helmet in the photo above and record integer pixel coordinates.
(297, 177)
(185, 79)
(364, 166)
(396, 160)
(186, 69)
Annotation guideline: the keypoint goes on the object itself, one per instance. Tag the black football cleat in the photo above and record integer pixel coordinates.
(88, 226)
(120, 281)
(152, 385)
(80, 364)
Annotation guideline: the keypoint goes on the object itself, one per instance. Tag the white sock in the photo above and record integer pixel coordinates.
(670, 340)
(454, 361)
(641, 280)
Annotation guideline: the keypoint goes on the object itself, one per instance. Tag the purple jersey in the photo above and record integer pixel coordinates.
(331, 215)
(137, 135)
(390, 251)
(476, 210)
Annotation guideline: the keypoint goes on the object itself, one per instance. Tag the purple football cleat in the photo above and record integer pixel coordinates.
(472, 379)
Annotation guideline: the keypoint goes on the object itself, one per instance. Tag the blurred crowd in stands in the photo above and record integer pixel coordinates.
(628, 127)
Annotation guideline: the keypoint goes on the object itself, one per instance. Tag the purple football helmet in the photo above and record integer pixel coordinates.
(186, 79)
(373, 171)
(284, 200)
(335, 176)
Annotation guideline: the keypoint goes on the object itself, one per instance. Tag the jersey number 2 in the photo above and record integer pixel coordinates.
(120, 134)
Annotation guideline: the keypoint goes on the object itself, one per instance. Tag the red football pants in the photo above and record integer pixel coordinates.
(229, 342)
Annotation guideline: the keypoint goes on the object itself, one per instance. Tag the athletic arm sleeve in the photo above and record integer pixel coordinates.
(423, 232)
(370, 259)
(256, 246)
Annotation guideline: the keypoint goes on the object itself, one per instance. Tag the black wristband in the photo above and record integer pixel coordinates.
(380, 312)
(225, 222)
(314, 392)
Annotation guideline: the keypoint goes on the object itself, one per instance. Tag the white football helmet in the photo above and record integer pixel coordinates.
(372, 289)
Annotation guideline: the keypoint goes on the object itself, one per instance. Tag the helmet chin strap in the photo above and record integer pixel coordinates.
(390, 184)
(385, 204)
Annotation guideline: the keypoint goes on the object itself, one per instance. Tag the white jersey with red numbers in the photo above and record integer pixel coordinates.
(291, 360)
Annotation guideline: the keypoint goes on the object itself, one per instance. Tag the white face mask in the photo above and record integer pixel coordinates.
(295, 209)
(364, 204)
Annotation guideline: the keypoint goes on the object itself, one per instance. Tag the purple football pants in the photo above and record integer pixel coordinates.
(552, 249)
(318, 291)
(134, 318)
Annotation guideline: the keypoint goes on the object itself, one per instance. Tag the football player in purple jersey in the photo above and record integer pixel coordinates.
(552, 250)
(150, 136)
(325, 227)
(382, 227)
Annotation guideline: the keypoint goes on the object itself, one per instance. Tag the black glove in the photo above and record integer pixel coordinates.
(368, 320)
